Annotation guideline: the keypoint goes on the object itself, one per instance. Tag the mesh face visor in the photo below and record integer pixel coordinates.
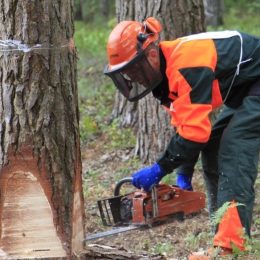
(137, 78)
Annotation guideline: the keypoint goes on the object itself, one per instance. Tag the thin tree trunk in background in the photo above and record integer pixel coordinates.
(178, 18)
(124, 110)
(104, 8)
(78, 7)
(41, 207)
(214, 10)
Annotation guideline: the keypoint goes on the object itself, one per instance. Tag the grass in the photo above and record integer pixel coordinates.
(242, 15)
(91, 39)
(193, 241)
(163, 248)
(96, 92)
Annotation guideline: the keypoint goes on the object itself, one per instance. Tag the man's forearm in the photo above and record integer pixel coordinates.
(179, 151)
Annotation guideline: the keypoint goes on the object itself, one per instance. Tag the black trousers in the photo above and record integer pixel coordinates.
(230, 159)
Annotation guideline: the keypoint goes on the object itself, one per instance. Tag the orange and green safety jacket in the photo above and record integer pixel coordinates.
(202, 72)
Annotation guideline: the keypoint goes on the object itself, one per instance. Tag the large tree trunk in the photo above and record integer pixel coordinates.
(178, 18)
(41, 205)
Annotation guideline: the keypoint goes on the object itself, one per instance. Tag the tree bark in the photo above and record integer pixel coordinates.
(178, 18)
(41, 205)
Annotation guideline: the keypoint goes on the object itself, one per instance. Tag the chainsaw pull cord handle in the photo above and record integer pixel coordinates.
(120, 183)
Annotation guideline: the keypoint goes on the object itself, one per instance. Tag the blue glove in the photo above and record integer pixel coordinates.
(146, 178)
(184, 181)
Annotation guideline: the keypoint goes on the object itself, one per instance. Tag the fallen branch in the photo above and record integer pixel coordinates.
(96, 251)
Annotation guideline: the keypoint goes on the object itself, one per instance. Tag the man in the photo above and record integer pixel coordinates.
(192, 76)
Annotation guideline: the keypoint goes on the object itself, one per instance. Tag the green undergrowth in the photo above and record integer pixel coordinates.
(194, 241)
(96, 92)
(91, 38)
(241, 15)
(120, 137)
(162, 248)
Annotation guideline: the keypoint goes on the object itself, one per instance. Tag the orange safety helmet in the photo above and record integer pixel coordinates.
(133, 73)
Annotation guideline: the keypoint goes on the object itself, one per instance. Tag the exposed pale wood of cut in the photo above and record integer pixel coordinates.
(28, 229)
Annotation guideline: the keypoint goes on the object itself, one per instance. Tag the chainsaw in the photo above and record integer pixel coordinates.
(139, 209)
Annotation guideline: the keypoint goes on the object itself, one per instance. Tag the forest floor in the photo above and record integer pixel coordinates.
(174, 240)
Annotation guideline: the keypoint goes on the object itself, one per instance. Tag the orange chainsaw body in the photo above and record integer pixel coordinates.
(142, 208)
(170, 200)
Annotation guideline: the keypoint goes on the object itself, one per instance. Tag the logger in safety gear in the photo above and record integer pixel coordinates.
(200, 73)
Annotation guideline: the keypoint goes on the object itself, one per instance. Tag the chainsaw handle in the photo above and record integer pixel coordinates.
(120, 183)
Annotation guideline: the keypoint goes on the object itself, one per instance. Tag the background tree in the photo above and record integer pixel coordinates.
(104, 8)
(178, 18)
(92, 10)
(214, 11)
(78, 9)
(40, 179)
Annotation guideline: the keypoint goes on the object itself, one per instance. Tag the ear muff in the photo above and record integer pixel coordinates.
(153, 25)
